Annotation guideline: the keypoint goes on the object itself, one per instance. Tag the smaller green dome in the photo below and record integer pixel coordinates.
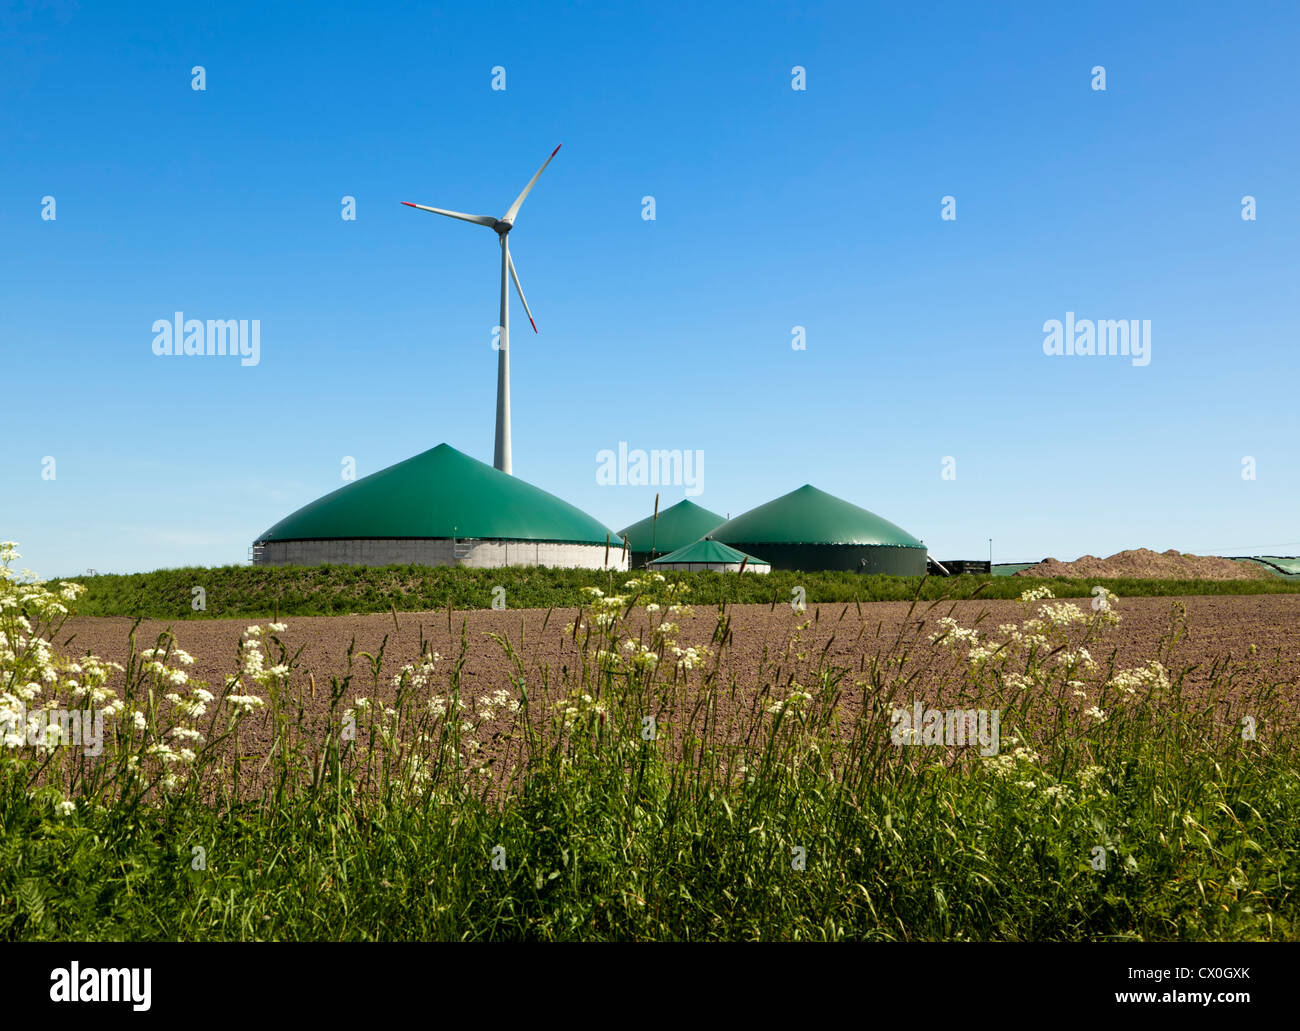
(682, 524)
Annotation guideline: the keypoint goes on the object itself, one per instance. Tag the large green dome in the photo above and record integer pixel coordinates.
(811, 516)
(440, 493)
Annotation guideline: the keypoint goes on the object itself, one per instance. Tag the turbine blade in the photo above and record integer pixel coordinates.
(520, 290)
(509, 216)
(481, 220)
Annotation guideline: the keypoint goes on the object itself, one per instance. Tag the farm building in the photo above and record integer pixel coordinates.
(711, 554)
(682, 524)
(810, 529)
(440, 508)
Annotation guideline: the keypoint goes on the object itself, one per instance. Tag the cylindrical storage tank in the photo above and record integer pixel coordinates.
(440, 508)
(711, 554)
(809, 529)
(682, 524)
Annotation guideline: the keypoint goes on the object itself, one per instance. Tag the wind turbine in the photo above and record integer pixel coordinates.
(502, 226)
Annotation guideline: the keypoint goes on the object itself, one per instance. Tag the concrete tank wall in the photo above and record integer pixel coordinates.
(437, 552)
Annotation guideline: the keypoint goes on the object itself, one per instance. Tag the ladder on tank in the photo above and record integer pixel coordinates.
(460, 550)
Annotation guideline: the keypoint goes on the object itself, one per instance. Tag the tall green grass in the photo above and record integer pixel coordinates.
(790, 815)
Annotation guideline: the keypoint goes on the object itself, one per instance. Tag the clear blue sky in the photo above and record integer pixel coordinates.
(774, 208)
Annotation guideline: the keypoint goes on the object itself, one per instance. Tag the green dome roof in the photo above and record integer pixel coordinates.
(678, 526)
(440, 493)
(811, 516)
(710, 551)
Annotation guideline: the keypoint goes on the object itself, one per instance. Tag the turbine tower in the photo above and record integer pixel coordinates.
(502, 226)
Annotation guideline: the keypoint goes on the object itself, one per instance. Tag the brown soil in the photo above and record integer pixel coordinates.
(1216, 626)
(1146, 564)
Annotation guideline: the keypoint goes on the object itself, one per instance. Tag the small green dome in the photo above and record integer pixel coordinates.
(709, 552)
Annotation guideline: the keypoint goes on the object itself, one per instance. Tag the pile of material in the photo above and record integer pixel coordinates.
(1149, 565)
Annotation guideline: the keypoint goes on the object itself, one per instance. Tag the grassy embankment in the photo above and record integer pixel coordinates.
(269, 592)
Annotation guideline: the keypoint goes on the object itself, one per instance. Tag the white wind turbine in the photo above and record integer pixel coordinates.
(502, 227)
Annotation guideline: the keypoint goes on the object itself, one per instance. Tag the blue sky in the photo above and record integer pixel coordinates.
(774, 208)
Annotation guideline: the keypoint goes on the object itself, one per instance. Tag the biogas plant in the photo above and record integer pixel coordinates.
(444, 508)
